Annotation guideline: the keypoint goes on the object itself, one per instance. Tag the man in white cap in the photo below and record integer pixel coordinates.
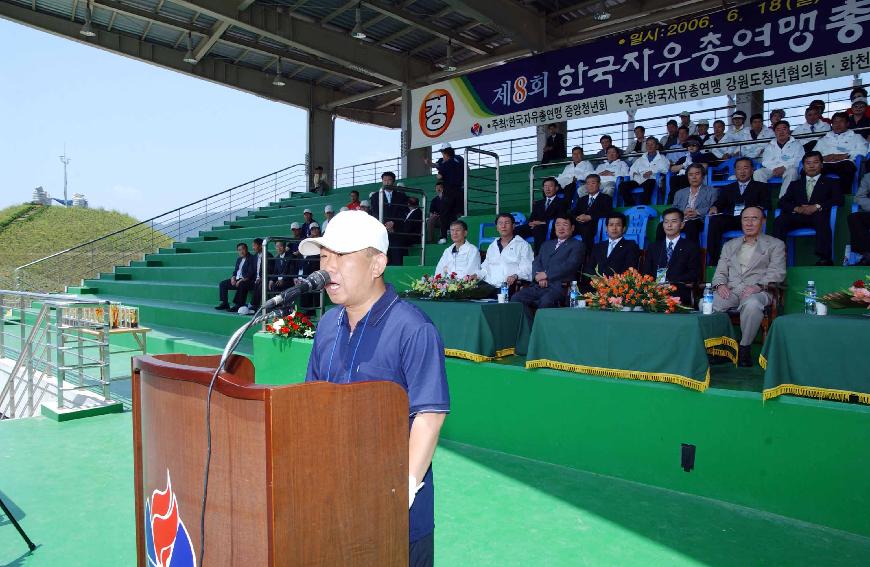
(308, 216)
(374, 335)
(328, 213)
(686, 122)
(365, 206)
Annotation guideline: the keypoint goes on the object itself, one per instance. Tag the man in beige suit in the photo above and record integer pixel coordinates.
(747, 266)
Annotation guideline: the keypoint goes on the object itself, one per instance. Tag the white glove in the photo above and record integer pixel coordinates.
(413, 489)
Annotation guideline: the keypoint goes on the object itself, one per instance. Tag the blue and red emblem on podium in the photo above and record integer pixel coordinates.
(166, 539)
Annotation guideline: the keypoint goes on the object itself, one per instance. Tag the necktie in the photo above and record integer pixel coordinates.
(591, 200)
(670, 251)
(559, 243)
(811, 183)
(812, 127)
(610, 247)
(549, 200)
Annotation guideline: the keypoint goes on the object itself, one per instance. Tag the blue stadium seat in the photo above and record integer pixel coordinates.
(485, 240)
(804, 232)
(601, 233)
(726, 168)
(637, 219)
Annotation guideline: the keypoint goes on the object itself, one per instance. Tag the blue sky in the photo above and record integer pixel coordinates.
(145, 140)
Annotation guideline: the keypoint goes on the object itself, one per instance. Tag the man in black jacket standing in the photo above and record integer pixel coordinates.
(807, 204)
(244, 274)
(732, 199)
(674, 260)
(554, 147)
(544, 211)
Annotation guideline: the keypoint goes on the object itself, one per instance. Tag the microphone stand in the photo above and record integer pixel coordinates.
(260, 316)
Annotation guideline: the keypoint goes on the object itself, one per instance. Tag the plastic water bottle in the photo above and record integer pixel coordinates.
(504, 291)
(810, 298)
(574, 296)
(707, 301)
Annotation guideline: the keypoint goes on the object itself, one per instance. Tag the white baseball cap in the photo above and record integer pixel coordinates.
(703, 121)
(295, 225)
(365, 203)
(327, 209)
(444, 147)
(685, 113)
(859, 99)
(341, 210)
(306, 211)
(349, 231)
(313, 225)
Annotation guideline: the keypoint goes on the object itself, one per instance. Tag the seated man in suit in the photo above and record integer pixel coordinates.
(257, 286)
(695, 202)
(462, 257)
(508, 259)
(589, 209)
(859, 223)
(241, 280)
(807, 204)
(283, 263)
(543, 211)
(674, 260)
(558, 261)
(747, 266)
(732, 199)
(616, 254)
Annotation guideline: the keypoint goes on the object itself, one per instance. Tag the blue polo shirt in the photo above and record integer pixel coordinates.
(395, 341)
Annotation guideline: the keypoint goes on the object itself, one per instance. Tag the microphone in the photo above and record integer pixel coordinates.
(314, 282)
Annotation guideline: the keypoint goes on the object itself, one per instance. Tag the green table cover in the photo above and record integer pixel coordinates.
(637, 346)
(478, 331)
(818, 357)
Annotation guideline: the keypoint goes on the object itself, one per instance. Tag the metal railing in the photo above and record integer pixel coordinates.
(264, 277)
(69, 267)
(52, 348)
(369, 172)
(524, 149)
(477, 175)
(420, 192)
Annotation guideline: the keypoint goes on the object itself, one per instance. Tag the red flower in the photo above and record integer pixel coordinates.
(858, 283)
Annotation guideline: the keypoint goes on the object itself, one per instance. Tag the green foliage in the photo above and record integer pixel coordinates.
(52, 229)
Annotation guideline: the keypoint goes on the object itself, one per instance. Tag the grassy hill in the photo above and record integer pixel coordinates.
(29, 232)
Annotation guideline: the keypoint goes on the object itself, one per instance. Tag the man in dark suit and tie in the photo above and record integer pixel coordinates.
(732, 199)
(244, 274)
(807, 204)
(589, 209)
(559, 261)
(406, 233)
(283, 263)
(543, 211)
(395, 204)
(674, 260)
(554, 147)
(616, 254)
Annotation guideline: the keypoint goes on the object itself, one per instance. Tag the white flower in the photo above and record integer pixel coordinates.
(308, 334)
(277, 324)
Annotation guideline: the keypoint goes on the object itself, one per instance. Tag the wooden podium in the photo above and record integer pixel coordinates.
(305, 474)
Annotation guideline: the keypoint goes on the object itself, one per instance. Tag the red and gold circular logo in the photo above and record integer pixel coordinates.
(436, 112)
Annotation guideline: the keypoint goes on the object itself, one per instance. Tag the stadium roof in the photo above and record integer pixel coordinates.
(244, 43)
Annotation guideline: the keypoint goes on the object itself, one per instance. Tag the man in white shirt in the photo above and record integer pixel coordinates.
(463, 257)
(612, 168)
(781, 157)
(738, 125)
(319, 182)
(328, 213)
(643, 174)
(635, 146)
(702, 129)
(685, 122)
(839, 148)
(813, 125)
(719, 140)
(756, 131)
(574, 174)
(776, 115)
(509, 258)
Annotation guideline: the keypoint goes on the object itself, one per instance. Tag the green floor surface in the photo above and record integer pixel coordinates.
(71, 486)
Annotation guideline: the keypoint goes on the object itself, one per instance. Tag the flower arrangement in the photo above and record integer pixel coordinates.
(293, 325)
(843, 299)
(446, 286)
(632, 290)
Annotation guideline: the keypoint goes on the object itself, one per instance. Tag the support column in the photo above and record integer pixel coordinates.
(751, 103)
(321, 143)
(413, 161)
(561, 127)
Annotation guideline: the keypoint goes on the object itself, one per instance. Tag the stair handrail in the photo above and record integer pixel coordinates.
(223, 197)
